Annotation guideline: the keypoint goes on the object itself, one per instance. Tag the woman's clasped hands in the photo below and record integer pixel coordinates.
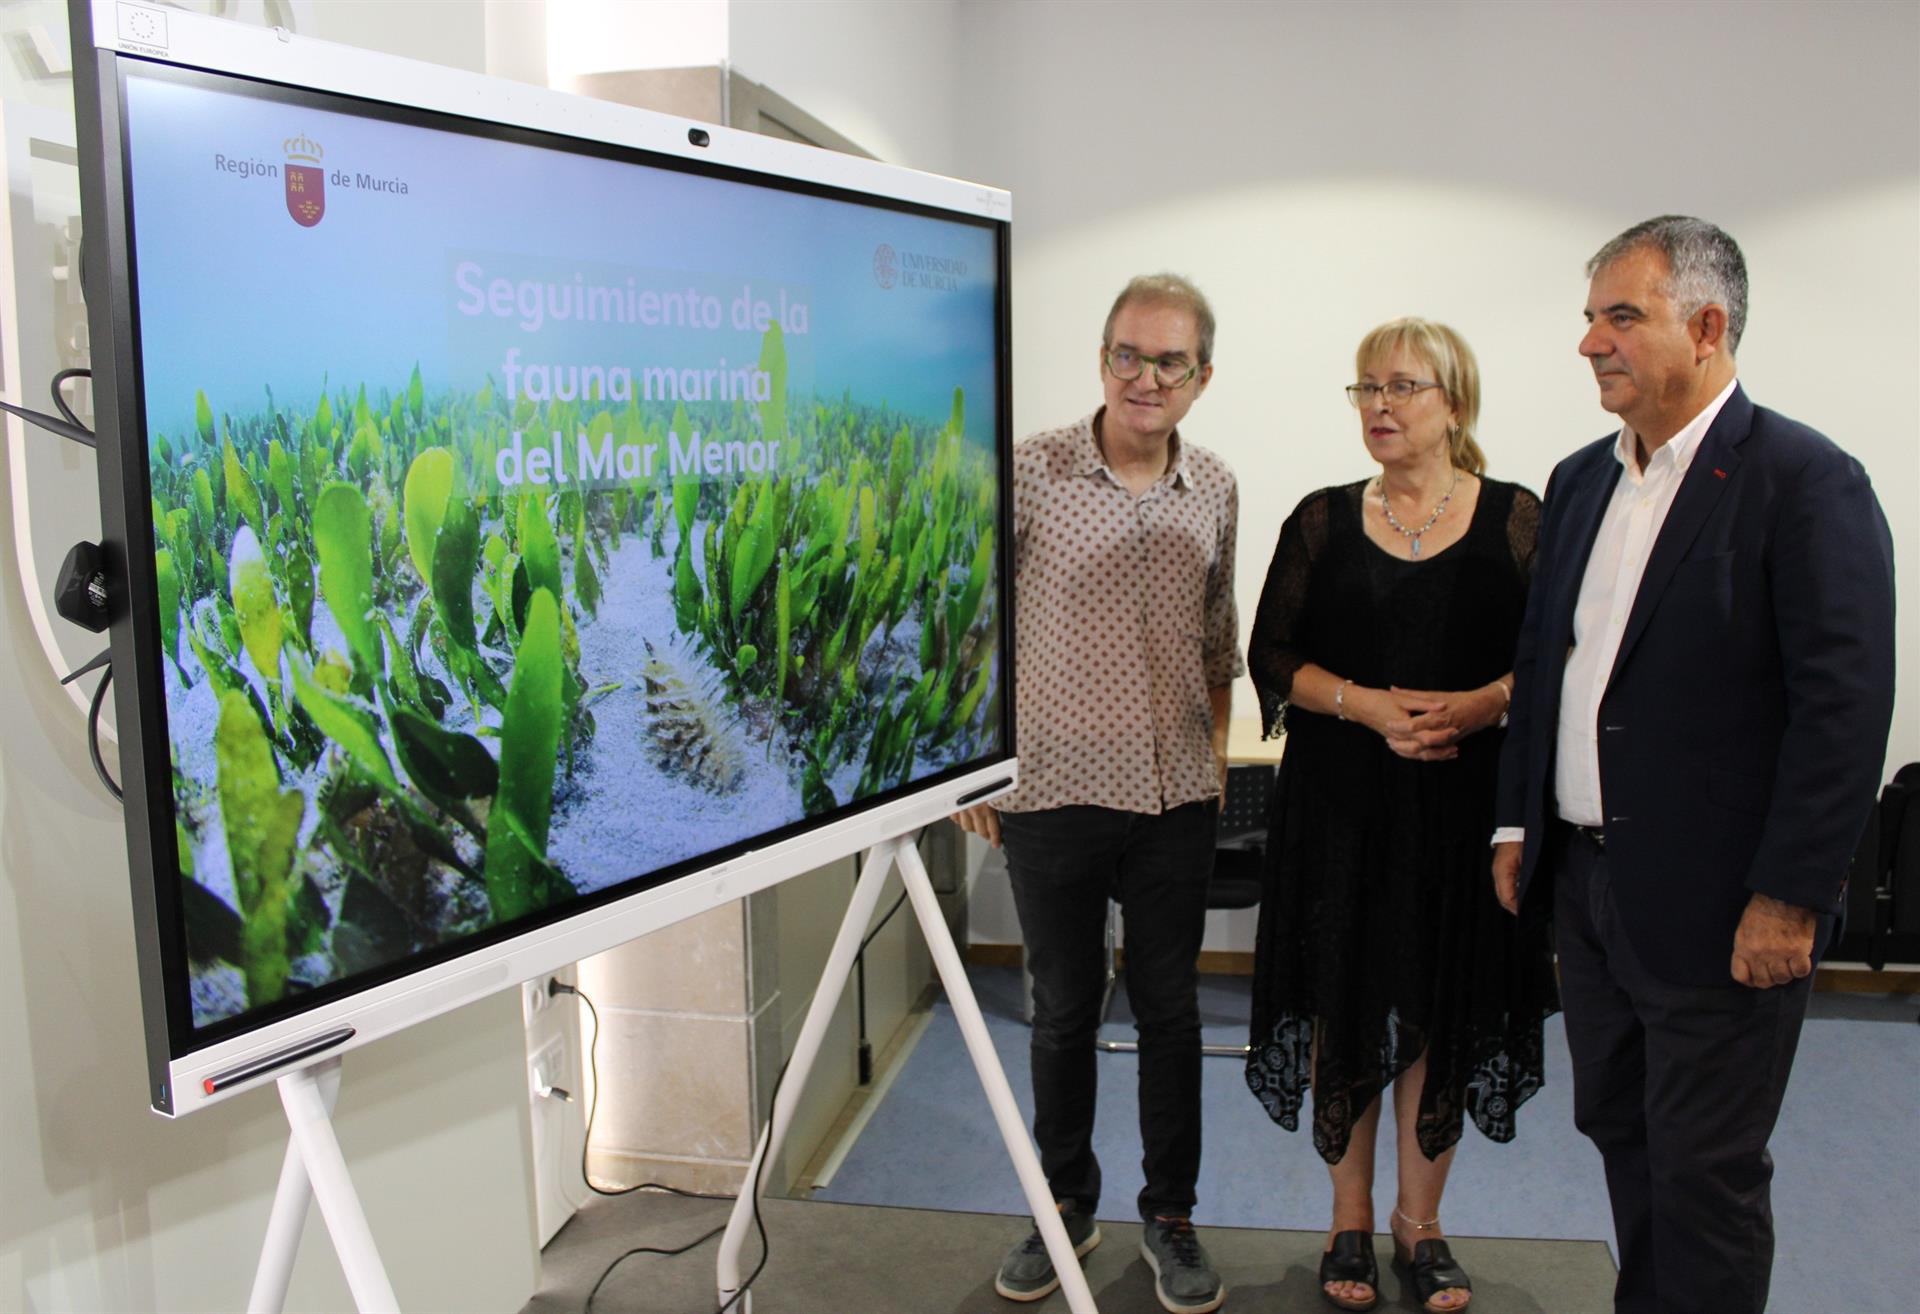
(1425, 725)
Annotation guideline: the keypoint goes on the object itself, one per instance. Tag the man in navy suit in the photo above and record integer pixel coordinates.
(1702, 694)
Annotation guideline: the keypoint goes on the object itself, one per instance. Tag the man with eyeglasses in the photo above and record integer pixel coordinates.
(1129, 645)
(1702, 694)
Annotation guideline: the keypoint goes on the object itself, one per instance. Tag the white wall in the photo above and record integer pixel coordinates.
(104, 1205)
(452, 32)
(888, 75)
(516, 38)
(604, 36)
(1319, 168)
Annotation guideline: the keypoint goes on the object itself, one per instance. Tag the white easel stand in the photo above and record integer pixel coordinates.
(966, 1010)
(315, 1170)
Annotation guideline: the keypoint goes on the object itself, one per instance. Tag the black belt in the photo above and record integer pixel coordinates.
(1593, 835)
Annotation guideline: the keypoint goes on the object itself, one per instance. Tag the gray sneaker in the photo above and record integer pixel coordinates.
(1183, 1276)
(1027, 1271)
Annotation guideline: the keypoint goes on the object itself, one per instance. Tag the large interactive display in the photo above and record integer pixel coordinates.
(518, 522)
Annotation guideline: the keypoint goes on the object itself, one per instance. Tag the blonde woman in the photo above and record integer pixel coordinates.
(1383, 647)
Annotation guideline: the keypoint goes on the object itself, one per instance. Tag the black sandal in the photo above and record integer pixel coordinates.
(1350, 1260)
(1434, 1269)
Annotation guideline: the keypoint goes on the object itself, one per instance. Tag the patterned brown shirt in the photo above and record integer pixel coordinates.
(1123, 620)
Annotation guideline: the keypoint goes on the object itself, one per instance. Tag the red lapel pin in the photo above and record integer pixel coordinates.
(1718, 473)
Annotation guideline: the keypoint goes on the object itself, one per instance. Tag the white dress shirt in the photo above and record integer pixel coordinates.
(1641, 500)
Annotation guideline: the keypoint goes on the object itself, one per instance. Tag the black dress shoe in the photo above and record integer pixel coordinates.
(1351, 1260)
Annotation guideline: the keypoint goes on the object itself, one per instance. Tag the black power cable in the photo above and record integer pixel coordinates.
(865, 1049)
(79, 433)
(100, 662)
(59, 399)
(883, 921)
(93, 734)
(753, 1185)
(66, 424)
(555, 986)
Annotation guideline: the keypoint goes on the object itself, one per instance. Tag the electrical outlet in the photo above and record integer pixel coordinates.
(533, 999)
(546, 1071)
(558, 1128)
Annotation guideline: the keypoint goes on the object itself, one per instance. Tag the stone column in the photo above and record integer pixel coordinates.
(688, 1051)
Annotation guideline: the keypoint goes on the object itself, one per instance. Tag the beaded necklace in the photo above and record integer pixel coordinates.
(1414, 535)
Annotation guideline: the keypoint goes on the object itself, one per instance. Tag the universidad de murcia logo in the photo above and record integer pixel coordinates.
(917, 269)
(306, 182)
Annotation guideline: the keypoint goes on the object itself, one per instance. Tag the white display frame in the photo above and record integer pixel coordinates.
(175, 37)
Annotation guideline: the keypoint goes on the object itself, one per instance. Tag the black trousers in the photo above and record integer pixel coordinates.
(1065, 863)
(1679, 1088)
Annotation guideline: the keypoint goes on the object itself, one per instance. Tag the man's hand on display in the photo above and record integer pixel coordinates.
(1773, 945)
(1220, 764)
(1506, 876)
(981, 820)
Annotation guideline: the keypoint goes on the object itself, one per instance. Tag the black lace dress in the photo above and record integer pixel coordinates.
(1379, 935)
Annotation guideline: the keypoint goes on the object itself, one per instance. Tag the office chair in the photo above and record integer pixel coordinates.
(1239, 862)
(1881, 908)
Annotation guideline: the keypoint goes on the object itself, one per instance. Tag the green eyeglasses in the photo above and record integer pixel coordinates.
(1126, 364)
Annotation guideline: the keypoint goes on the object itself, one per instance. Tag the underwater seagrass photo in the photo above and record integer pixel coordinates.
(415, 692)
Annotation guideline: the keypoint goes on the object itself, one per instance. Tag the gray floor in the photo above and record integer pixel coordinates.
(865, 1259)
(1847, 1160)
(871, 1242)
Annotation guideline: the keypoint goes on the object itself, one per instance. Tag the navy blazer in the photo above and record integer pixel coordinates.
(1744, 726)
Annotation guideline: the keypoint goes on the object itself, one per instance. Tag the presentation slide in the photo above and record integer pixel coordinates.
(531, 522)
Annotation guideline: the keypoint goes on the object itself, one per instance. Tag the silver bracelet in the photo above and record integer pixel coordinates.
(1340, 700)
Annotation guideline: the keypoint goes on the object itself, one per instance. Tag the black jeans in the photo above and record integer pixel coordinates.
(1065, 864)
(1679, 1088)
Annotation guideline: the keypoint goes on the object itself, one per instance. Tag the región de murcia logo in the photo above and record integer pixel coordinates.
(306, 182)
